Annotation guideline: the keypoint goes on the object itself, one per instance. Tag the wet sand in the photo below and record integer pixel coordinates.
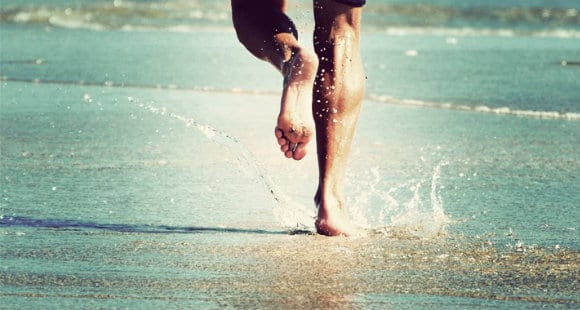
(86, 267)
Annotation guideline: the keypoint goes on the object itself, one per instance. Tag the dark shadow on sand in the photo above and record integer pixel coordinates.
(66, 224)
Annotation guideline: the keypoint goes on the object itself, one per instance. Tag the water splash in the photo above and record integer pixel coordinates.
(289, 213)
(410, 208)
(420, 220)
(404, 207)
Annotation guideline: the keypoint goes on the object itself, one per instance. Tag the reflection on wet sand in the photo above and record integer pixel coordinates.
(314, 272)
(279, 271)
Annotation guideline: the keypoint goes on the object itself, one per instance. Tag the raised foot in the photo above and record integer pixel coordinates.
(295, 126)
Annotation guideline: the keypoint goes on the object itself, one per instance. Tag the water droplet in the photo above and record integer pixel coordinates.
(87, 98)
(411, 53)
(451, 40)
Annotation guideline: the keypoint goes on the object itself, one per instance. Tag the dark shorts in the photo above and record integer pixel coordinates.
(357, 3)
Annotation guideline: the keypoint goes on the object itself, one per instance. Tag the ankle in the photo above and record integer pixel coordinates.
(327, 200)
(302, 64)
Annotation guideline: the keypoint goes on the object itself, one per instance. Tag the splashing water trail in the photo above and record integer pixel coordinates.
(290, 214)
(405, 208)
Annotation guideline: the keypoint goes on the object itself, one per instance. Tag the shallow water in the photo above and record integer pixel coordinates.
(162, 215)
(99, 267)
(138, 169)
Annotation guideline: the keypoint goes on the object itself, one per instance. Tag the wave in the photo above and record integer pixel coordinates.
(423, 14)
(572, 116)
(481, 32)
(397, 19)
(122, 15)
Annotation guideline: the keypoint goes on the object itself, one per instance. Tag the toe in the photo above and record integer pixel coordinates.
(300, 151)
(285, 148)
(282, 141)
(279, 133)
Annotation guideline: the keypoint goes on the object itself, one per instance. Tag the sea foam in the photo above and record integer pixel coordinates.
(479, 109)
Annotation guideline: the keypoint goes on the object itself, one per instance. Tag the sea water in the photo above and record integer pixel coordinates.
(136, 144)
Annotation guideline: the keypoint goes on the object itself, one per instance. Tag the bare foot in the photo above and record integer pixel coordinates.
(332, 219)
(295, 126)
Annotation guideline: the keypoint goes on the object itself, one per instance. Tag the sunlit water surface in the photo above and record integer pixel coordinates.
(139, 168)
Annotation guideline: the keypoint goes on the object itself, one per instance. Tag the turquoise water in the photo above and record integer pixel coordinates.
(138, 167)
(515, 57)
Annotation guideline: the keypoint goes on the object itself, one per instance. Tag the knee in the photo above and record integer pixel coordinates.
(337, 22)
(259, 18)
(262, 29)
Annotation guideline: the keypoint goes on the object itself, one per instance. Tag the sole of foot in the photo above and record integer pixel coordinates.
(295, 125)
